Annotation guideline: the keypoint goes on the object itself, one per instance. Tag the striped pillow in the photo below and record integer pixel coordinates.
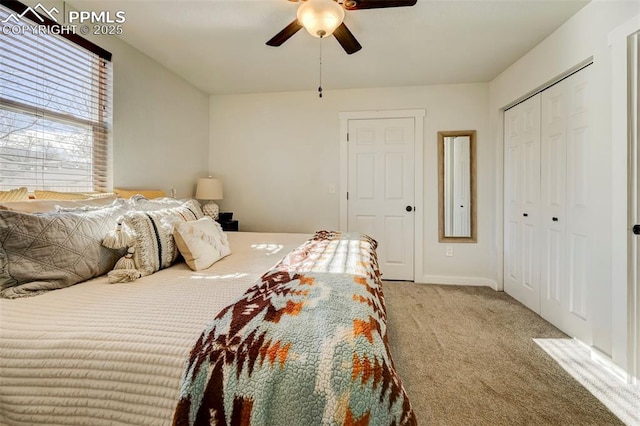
(154, 245)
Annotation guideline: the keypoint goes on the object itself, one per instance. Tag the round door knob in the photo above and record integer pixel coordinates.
(525, 214)
(555, 219)
(409, 208)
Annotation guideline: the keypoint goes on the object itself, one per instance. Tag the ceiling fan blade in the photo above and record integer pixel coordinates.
(376, 4)
(285, 34)
(346, 39)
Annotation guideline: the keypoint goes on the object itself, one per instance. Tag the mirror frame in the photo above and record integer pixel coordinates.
(472, 154)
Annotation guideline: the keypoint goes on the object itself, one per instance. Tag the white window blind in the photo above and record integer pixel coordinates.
(55, 112)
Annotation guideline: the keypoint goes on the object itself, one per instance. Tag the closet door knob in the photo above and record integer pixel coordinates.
(555, 219)
(408, 208)
(636, 229)
(525, 214)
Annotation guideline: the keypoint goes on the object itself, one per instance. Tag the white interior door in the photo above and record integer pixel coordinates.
(381, 190)
(522, 194)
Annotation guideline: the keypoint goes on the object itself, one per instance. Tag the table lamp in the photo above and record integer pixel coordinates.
(209, 189)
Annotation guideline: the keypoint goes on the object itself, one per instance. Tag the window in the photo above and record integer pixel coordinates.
(55, 109)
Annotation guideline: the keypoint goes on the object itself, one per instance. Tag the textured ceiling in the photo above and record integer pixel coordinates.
(219, 45)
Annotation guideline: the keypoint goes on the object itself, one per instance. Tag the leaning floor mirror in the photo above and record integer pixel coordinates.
(457, 186)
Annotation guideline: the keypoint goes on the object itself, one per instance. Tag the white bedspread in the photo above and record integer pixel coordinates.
(99, 353)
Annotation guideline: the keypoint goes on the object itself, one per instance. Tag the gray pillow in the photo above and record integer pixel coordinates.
(41, 252)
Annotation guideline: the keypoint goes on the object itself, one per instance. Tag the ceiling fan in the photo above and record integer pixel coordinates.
(321, 18)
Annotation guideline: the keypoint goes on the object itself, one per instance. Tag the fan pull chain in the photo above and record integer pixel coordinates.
(320, 86)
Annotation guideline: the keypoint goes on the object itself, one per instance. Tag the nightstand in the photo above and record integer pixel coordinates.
(229, 225)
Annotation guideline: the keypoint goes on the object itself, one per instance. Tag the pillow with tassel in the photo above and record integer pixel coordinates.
(150, 238)
(125, 269)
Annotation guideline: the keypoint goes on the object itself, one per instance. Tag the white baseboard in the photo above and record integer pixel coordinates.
(605, 361)
(447, 280)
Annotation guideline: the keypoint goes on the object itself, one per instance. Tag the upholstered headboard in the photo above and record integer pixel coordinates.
(148, 193)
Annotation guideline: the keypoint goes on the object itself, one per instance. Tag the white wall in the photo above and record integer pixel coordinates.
(277, 154)
(160, 124)
(582, 37)
(160, 132)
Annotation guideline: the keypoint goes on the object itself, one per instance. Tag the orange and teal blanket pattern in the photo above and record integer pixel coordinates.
(306, 345)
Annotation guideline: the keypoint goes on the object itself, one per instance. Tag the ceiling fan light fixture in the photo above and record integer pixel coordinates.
(320, 17)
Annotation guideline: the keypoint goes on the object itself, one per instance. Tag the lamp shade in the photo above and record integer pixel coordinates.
(320, 17)
(209, 189)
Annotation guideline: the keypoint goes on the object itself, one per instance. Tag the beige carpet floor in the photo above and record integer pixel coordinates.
(467, 357)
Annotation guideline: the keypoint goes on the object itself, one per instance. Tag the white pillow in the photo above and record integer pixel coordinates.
(201, 242)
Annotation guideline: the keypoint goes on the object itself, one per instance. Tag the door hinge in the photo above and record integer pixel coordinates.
(347, 195)
(347, 136)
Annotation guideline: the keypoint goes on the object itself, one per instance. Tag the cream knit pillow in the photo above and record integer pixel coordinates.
(202, 242)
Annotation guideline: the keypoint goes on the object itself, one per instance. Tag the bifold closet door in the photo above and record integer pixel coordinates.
(548, 207)
(522, 202)
(565, 204)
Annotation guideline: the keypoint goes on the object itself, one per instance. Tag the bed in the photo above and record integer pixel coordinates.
(148, 352)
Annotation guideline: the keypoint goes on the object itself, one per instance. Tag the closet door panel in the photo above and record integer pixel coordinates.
(513, 130)
(577, 279)
(529, 262)
(522, 198)
(549, 209)
(530, 202)
(553, 275)
(579, 206)
(553, 202)
(565, 205)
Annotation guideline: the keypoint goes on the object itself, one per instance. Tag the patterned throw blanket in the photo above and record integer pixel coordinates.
(306, 345)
